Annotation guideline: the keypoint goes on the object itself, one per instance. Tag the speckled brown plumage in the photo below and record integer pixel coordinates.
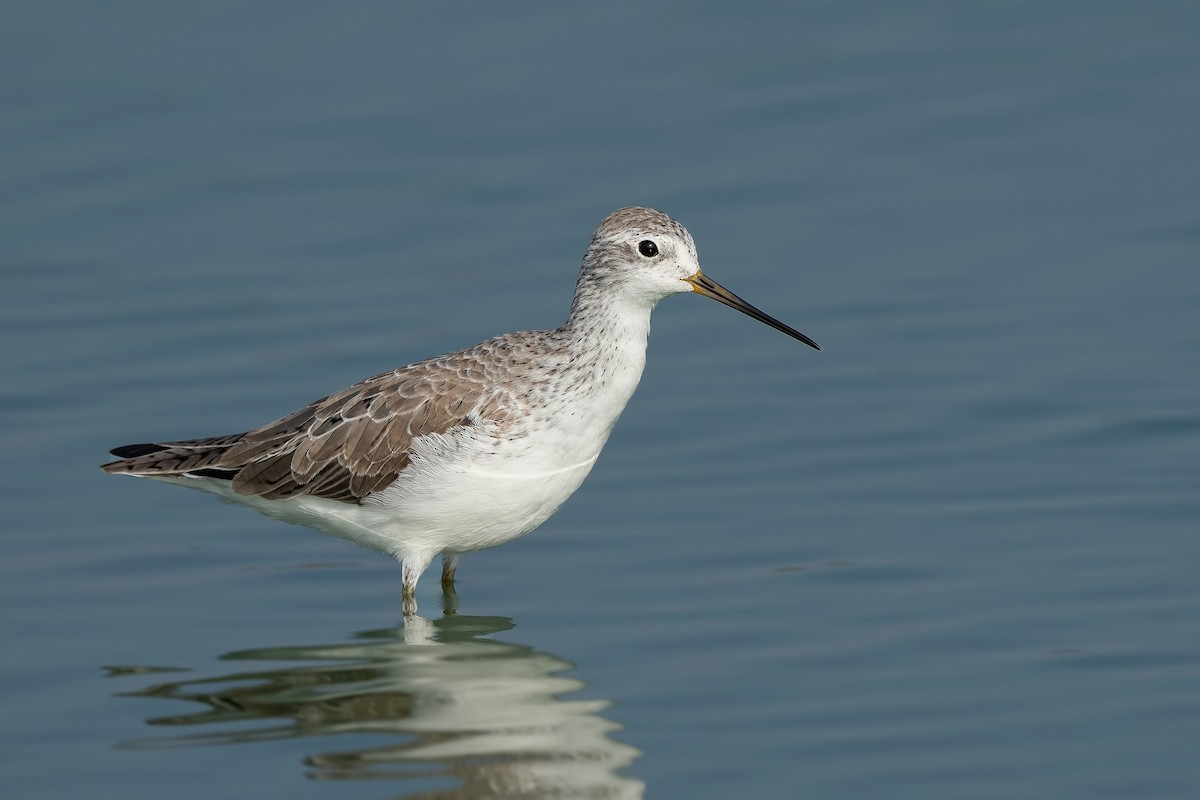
(351, 443)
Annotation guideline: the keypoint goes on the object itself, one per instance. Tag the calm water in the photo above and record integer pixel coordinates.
(953, 555)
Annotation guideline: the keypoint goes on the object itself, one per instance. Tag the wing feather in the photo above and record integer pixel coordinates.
(342, 447)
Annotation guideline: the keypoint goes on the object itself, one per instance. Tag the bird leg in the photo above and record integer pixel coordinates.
(449, 595)
(414, 563)
(449, 565)
(408, 602)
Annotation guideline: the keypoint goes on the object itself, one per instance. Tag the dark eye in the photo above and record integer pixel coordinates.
(647, 248)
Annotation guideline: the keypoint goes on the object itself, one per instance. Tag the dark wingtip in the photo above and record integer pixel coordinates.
(214, 472)
(135, 450)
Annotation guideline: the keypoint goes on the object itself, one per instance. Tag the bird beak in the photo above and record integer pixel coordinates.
(702, 284)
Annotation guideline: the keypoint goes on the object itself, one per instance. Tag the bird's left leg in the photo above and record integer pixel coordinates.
(449, 565)
(449, 595)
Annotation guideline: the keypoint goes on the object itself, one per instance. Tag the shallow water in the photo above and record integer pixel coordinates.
(952, 555)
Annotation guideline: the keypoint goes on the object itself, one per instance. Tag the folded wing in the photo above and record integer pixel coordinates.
(342, 447)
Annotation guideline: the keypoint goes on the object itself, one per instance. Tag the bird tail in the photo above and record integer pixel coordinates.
(199, 457)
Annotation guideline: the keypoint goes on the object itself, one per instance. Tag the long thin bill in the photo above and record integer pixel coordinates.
(702, 284)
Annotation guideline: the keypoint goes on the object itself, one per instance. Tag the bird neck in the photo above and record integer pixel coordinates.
(607, 327)
(606, 340)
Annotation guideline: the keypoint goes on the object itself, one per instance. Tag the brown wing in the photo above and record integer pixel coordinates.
(343, 447)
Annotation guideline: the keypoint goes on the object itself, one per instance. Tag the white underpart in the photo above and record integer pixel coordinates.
(460, 494)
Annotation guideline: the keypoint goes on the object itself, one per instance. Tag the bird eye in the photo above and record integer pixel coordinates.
(647, 248)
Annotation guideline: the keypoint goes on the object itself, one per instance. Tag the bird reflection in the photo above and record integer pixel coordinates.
(475, 717)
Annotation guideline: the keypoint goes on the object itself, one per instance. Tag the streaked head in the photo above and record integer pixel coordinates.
(645, 253)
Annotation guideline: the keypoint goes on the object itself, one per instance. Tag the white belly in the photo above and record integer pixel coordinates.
(462, 491)
(468, 490)
(483, 505)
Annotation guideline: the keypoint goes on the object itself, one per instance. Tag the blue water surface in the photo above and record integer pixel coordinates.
(952, 555)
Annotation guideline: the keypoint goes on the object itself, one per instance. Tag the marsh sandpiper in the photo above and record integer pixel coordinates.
(468, 450)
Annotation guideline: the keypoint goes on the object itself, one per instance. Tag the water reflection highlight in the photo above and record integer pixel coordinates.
(483, 716)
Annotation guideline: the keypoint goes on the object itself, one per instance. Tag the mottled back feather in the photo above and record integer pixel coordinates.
(343, 447)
